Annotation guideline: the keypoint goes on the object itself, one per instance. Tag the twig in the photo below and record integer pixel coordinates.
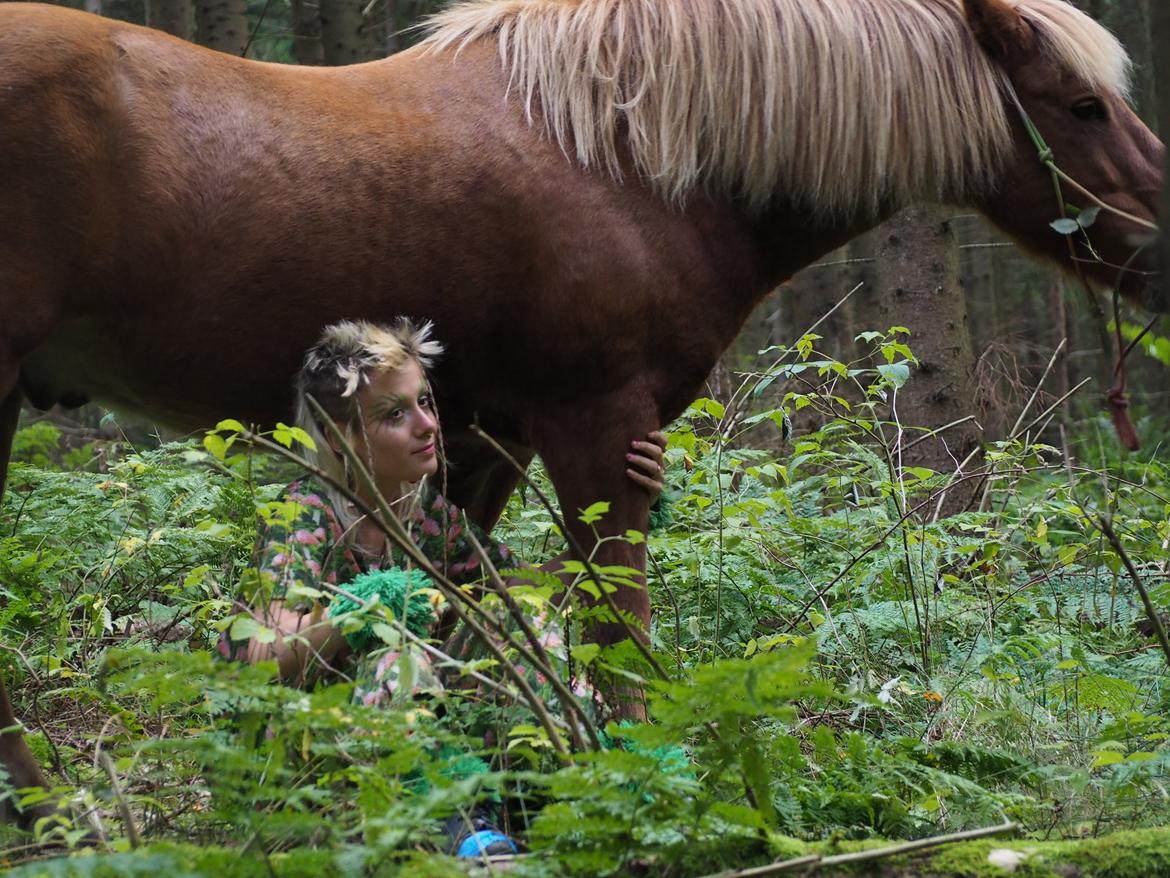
(256, 29)
(426, 647)
(673, 602)
(54, 753)
(813, 862)
(550, 673)
(1104, 525)
(1116, 211)
(736, 399)
(1054, 406)
(986, 489)
(873, 547)
(932, 433)
(1036, 390)
(120, 800)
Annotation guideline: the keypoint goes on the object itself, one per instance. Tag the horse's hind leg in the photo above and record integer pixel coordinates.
(15, 757)
(482, 481)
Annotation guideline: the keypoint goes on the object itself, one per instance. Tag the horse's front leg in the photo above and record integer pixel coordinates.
(585, 455)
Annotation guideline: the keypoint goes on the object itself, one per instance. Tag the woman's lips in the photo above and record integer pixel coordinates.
(427, 450)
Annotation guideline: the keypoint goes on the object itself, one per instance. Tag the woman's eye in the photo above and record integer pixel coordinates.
(1089, 108)
(424, 402)
(393, 415)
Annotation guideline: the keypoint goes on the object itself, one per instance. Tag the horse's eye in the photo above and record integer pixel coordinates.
(1089, 108)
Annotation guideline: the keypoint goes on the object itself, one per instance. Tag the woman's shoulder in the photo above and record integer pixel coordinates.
(304, 505)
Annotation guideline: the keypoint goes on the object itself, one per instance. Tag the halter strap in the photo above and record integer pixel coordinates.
(1116, 400)
(1045, 154)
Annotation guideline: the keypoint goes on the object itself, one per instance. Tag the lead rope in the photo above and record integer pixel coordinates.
(1116, 400)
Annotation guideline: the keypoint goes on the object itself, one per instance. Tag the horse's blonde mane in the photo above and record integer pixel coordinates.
(843, 105)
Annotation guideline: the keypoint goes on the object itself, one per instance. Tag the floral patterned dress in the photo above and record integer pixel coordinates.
(301, 546)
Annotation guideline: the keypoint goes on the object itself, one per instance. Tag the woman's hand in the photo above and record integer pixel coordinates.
(646, 463)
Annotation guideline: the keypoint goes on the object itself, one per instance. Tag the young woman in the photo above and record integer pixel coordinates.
(372, 382)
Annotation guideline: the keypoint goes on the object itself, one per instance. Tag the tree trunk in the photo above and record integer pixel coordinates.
(978, 267)
(306, 23)
(348, 36)
(803, 301)
(393, 42)
(1131, 22)
(819, 289)
(222, 25)
(917, 285)
(176, 17)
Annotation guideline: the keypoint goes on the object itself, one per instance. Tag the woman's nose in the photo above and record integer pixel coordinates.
(426, 421)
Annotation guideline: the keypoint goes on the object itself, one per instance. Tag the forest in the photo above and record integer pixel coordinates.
(910, 593)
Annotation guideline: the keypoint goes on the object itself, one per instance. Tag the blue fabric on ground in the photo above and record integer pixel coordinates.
(479, 843)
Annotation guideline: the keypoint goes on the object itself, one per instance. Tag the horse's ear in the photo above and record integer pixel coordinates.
(1000, 30)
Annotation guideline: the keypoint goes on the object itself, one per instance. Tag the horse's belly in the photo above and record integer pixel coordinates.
(76, 365)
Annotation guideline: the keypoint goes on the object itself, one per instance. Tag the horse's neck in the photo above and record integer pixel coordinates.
(789, 239)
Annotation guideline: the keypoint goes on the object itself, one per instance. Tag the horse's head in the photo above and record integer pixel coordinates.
(1069, 76)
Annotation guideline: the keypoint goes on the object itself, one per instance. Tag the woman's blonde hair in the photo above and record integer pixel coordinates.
(347, 356)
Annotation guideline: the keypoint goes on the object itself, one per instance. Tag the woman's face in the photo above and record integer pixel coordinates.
(401, 427)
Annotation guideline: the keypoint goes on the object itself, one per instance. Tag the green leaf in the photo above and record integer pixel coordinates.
(1065, 226)
(388, 634)
(918, 472)
(1106, 757)
(216, 446)
(585, 652)
(705, 405)
(1087, 217)
(283, 434)
(594, 512)
(896, 374)
(1141, 756)
(247, 628)
(303, 438)
(230, 424)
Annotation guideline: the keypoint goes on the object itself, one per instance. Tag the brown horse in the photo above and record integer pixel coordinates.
(586, 196)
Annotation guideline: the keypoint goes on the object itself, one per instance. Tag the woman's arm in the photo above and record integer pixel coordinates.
(293, 548)
(301, 638)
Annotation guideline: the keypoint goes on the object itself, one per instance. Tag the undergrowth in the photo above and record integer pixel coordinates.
(839, 663)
